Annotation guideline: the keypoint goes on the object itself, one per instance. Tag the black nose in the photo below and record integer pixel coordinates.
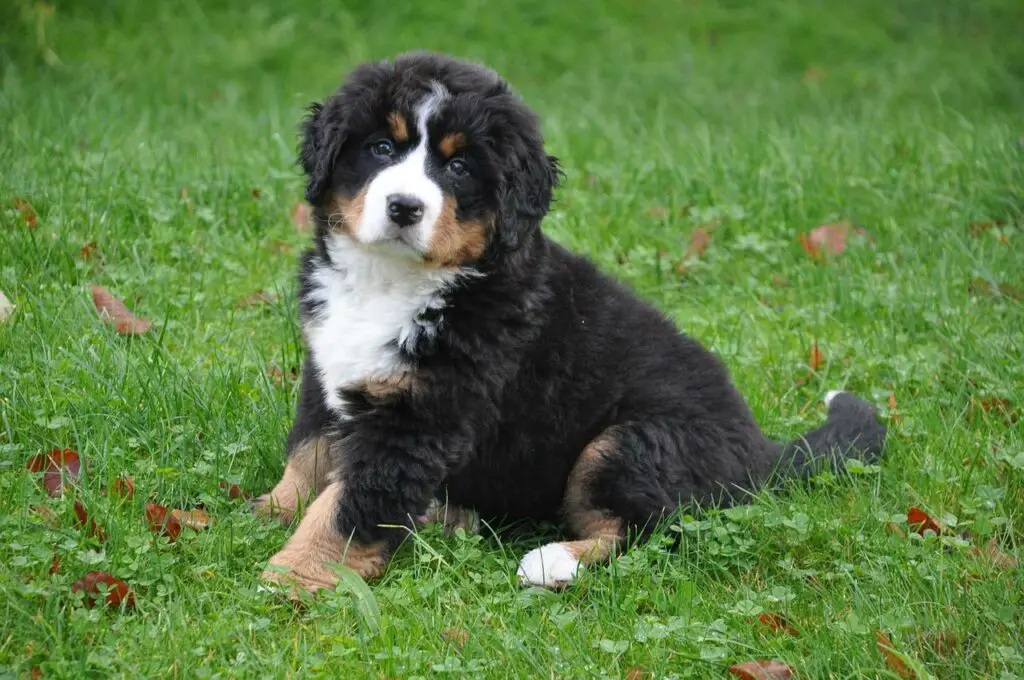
(404, 210)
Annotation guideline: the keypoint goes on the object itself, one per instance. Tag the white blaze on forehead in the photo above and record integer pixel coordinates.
(408, 177)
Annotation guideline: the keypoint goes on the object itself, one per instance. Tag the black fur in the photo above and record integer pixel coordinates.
(536, 357)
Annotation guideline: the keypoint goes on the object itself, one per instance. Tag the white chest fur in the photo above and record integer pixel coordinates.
(371, 303)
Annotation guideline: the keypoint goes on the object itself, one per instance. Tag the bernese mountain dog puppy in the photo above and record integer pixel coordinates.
(459, 360)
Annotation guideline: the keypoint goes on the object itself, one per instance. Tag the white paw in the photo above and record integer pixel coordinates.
(549, 566)
(830, 395)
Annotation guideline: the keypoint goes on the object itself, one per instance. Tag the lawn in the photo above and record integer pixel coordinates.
(149, 149)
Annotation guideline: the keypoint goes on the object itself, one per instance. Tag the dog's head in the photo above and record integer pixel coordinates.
(427, 157)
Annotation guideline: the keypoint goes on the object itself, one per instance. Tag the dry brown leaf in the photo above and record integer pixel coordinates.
(920, 521)
(114, 312)
(55, 565)
(813, 74)
(282, 377)
(163, 522)
(300, 216)
(457, 636)
(980, 286)
(777, 623)
(234, 491)
(260, 297)
(28, 213)
(57, 466)
(6, 307)
(117, 591)
(816, 359)
(700, 239)
(892, 659)
(637, 673)
(196, 519)
(761, 670)
(895, 529)
(943, 642)
(84, 520)
(992, 554)
(828, 237)
(124, 486)
(976, 229)
(88, 250)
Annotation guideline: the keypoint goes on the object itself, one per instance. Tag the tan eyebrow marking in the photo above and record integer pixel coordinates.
(452, 143)
(399, 128)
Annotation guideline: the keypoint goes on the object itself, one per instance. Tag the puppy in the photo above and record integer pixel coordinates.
(457, 354)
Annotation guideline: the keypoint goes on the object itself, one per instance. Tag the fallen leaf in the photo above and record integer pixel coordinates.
(234, 491)
(35, 673)
(895, 529)
(761, 670)
(920, 521)
(892, 401)
(47, 515)
(893, 413)
(57, 466)
(85, 521)
(255, 193)
(700, 239)
(996, 406)
(113, 311)
(282, 377)
(458, 636)
(117, 591)
(816, 359)
(88, 250)
(995, 556)
(28, 213)
(980, 286)
(814, 74)
(831, 238)
(976, 229)
(777, 623)
(6, 307)
(300, 216)
(55, 565)
(943, 642)
(637, 673)
(260, 297)
(196, 519)
(893, 659)
(124, 486)
(163, 522)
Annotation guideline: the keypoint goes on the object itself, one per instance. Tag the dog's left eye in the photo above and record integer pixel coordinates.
(383, 148)
(458, 167)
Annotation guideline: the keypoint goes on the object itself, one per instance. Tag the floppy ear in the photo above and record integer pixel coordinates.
(526, 196)
(321, 142)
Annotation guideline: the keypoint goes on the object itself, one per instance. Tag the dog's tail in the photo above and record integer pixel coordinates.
(852, 430)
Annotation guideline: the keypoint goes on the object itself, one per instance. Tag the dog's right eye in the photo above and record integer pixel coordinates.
(383, 148)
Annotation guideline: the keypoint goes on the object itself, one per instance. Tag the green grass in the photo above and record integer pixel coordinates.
(766, 119)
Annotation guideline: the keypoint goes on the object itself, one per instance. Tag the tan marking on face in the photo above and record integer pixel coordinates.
(451, 143)
(346, 213)
(453, 242)
(302, 562)
(398, 127)
(305, 475)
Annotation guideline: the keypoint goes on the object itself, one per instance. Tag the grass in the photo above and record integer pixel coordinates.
(146, 128)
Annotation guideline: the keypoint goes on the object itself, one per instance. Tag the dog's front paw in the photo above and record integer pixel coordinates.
(549, 566)
(294, 572)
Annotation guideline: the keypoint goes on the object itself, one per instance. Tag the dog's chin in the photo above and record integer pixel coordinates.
(397, 247)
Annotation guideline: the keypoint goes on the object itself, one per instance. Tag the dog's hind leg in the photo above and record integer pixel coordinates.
(600, 530)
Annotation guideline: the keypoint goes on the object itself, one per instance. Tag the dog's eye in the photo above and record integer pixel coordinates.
(458, 167)
(383, 148)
